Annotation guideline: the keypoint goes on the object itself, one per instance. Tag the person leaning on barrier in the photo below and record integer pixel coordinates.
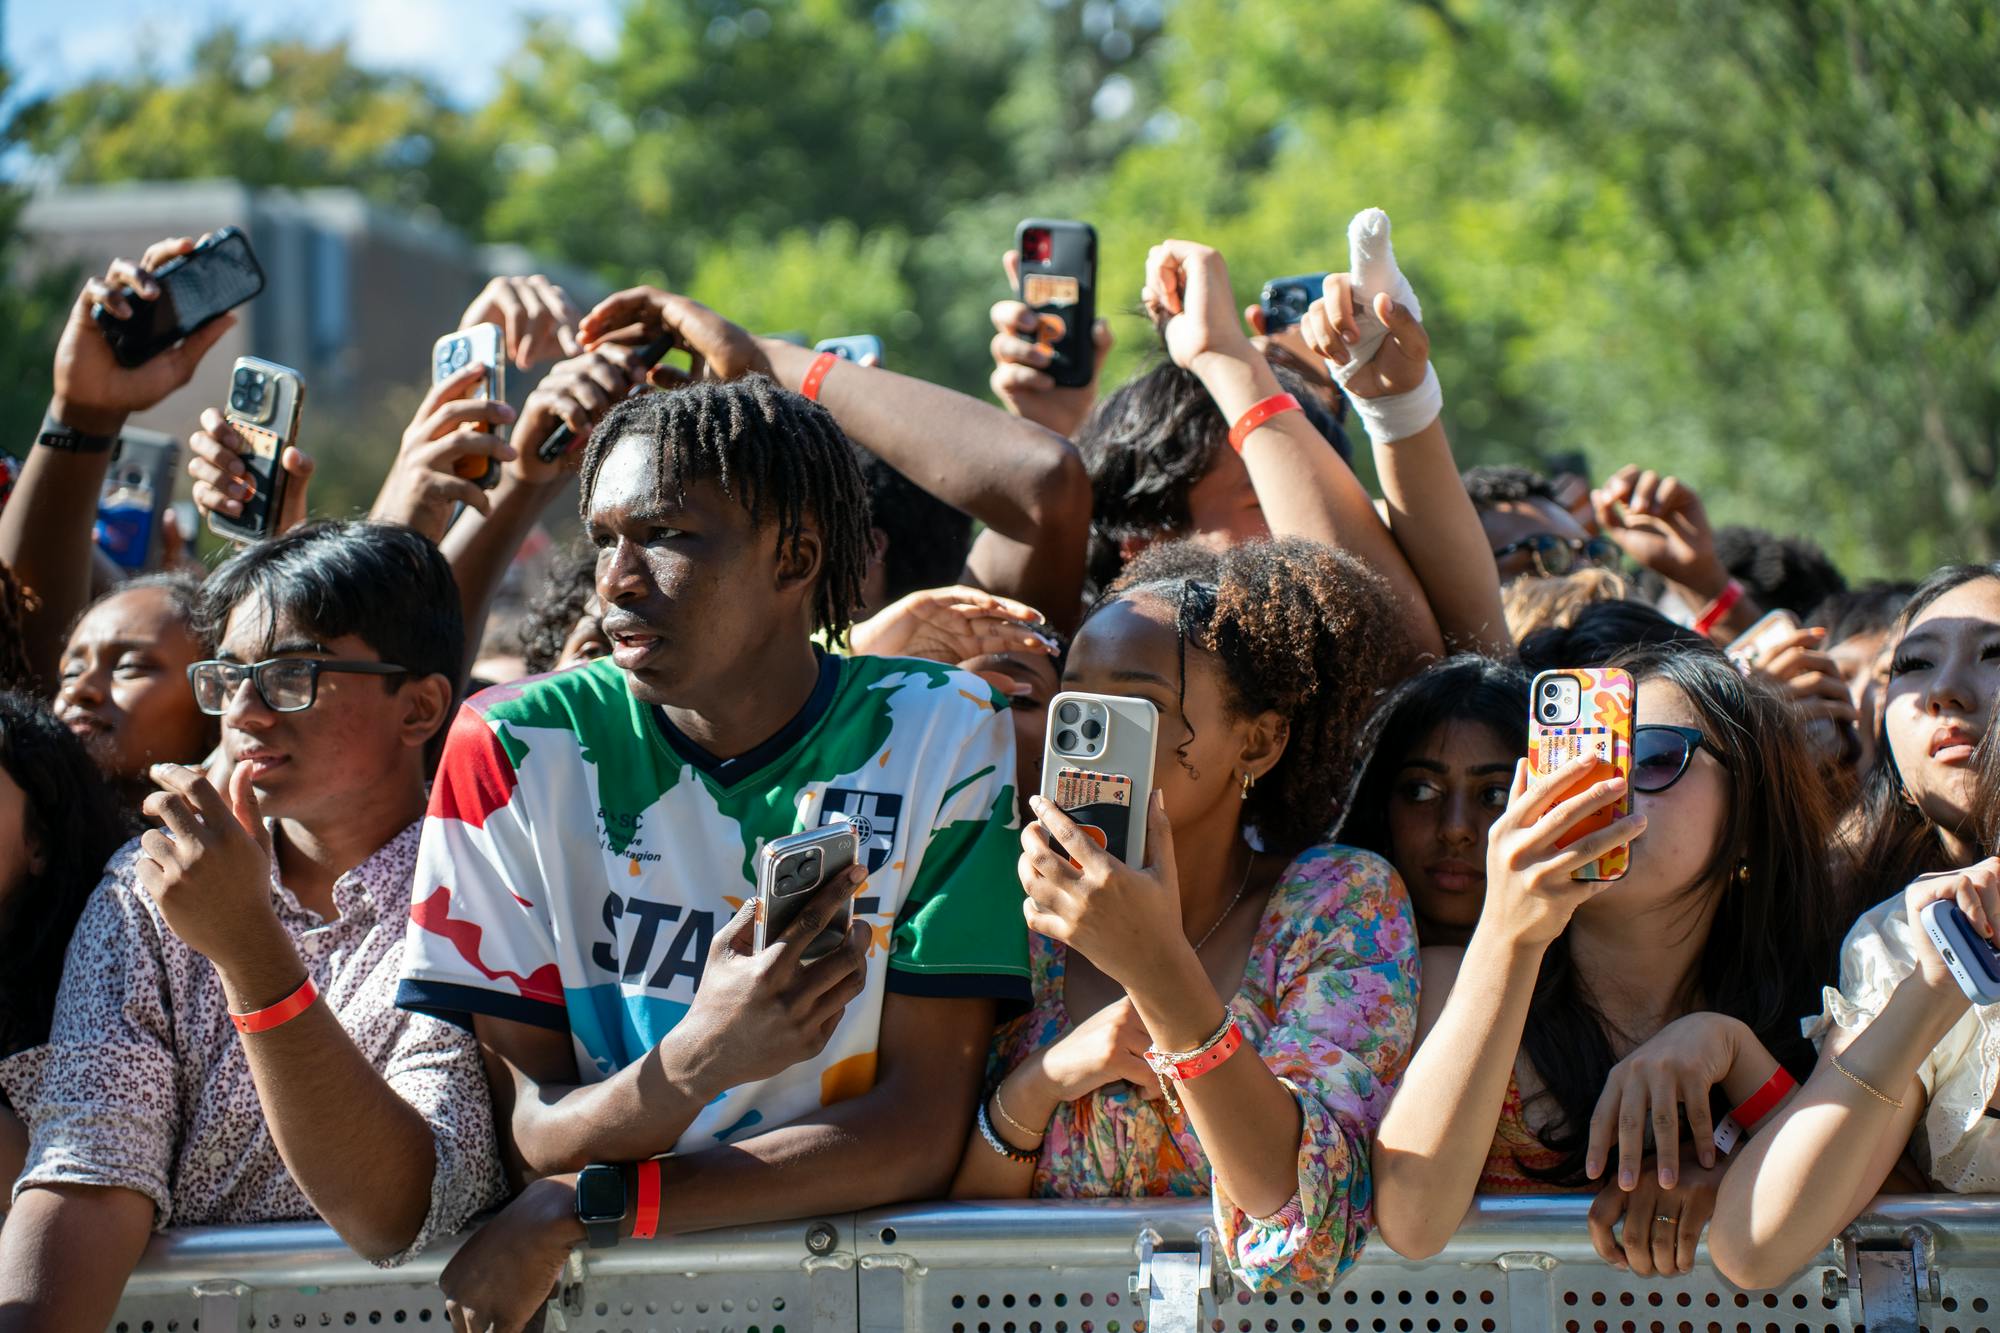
(587, 897)
(226, 1046)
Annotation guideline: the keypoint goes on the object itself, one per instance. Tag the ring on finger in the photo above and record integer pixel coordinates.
(1669, 1221)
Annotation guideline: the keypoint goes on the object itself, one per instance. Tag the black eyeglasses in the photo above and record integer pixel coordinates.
(1555, 556)
(285, 684)
(1661, 755)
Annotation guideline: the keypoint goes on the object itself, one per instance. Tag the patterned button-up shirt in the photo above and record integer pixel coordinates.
(144, 1083)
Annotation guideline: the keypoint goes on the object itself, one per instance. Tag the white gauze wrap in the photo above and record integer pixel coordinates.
(1372, 261)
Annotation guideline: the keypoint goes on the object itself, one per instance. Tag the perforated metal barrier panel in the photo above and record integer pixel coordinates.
(1517, 1265)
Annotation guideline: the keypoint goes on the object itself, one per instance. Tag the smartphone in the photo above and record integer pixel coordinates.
(1755, 644)
(854, 347)
(196, 289)
(1973, 961)
(1579, 711)
(1286, 300)
(558, 442)
(137, 492)
(482, 344)
(1059, 283)
(1097, 767)
(791, 869)
(264, 403)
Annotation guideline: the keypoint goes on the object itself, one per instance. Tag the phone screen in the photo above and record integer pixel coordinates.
(195, 289)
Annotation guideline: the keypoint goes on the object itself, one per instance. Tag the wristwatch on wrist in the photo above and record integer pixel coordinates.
(601, 1203)
(69, 440)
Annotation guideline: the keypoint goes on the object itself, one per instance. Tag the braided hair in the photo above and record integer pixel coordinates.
(1297, 628)
(779, 455)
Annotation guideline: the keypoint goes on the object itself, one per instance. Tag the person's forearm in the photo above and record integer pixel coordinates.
(1024, 482)
(65, 1255)
(639, 1112)
(1247, 1121)
(1698, 589)
(361, 1154)
(1307, 491)
(1750, 1071)
(46, 534)
(1437, 529)
(480, 547)
(1811, 1171)
(1437, 1133)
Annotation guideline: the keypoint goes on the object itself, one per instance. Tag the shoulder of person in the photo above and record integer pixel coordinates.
(1880, 947)
(1333, 890)
(553, 698)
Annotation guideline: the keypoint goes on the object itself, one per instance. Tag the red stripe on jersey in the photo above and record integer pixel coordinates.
(475, 777)
(434, 915)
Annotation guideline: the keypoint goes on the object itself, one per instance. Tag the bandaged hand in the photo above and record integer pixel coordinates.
(1369, 329)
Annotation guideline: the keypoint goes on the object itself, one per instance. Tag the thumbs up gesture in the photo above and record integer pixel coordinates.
(208, 868)
(1369, 329)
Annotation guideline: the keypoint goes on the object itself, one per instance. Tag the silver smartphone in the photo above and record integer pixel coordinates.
(791, 869)
(264, 403)
(482, 344)
(1097, 767)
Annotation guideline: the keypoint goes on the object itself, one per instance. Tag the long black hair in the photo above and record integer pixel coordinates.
(1466, 688)
(1893, 841)
(1775, 934)
(74, 822)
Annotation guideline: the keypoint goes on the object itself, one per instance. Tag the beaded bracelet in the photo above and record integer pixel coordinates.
(1000, 1145)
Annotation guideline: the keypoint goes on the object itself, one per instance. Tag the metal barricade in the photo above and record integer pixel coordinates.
(1518, 1265)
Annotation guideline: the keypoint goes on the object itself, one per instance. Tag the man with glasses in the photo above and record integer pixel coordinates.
(227, 1046)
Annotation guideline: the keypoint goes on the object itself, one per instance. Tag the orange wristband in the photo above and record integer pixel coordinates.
(816, 373)
(1258, 414)
(646, 1210)
(284, 1011)
(1725, 602)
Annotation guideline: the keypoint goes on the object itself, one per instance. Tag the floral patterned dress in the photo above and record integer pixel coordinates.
(1329, 1000)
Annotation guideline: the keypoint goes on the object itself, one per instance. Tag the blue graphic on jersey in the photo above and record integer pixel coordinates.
(753, 1118)
(615, 1026)
(874, 815)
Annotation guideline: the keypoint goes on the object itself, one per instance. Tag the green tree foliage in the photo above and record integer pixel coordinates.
(1755, 244)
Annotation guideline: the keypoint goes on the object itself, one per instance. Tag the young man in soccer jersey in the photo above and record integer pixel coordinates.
(584, 890)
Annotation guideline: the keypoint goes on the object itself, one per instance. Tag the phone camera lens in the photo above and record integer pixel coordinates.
(1092, 729)
(1068, 740)
(1551, 690)
(243, 374)
(1069, 713)
(785, 884)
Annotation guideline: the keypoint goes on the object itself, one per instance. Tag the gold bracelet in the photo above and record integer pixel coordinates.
(1001, 1107)
(1862, 1084)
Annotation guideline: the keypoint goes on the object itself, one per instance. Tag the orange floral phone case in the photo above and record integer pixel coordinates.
(1603, 727)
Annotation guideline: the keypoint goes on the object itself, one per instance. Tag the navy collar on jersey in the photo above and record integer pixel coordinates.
(728, 772)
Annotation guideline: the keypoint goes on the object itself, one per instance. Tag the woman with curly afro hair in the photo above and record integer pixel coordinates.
(1288, 962)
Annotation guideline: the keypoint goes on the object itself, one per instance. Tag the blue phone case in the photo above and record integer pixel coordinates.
(1973, 961)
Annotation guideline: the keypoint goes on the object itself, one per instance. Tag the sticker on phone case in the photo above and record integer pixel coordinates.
(1039, 289)
(1099, 803)
(260, 443)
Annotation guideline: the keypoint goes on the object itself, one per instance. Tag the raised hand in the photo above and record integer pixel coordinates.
(1530, 892)
(537, 316)
(1125, 919)
(1188, 299)
(1368, 326)
(93, 393)
(951, 625)
(1662, 525)
(449, 441)
(719, 349)
(1020, 378)
(576, 393)
(222, 482)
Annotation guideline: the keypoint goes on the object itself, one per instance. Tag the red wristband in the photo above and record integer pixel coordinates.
(1189, 1070)
(816, 373)
(1725, 601)
(284, 1011)
(1763, 1100)
(646, 1210)
(1258, 414)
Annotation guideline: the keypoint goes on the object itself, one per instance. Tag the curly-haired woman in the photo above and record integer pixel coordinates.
(1263, 662)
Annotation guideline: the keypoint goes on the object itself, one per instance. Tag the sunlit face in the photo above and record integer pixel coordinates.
(125, 691)
(1223, 507)
(1684, 823)
(1447, 792)
(1938, 700)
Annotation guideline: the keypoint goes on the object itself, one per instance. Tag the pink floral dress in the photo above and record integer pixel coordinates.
(1329, 1000)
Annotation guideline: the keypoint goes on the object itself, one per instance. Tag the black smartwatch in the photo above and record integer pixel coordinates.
(601, 1203)
(68, 440)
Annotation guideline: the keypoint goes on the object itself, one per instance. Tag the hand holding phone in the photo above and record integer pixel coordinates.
(131, 509)
(1580, 714)
(792, 871)
(1056, 278)
(1955, 913)
(249, 465)
(456, 430)
(1540, 866)
(581, 390)
(184, 294)
(477, 347)
(1285, 301)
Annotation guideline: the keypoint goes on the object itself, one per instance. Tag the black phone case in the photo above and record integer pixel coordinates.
(196, 289)
(1072, 254)
(260, 511)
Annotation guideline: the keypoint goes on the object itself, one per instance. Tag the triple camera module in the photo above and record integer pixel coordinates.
(250, 393)
(1080, 728)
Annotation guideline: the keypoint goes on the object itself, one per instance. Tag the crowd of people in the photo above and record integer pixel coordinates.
(303, 917)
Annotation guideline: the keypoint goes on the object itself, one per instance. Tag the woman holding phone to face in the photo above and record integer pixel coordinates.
(1907, 1064)
(1262, 662)
(1574, 1000)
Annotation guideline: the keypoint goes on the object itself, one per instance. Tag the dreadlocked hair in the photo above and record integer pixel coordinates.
(1297, 628)
(16, 602)
(779, 455)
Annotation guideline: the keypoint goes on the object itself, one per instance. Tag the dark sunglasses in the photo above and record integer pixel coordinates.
(1555, 556)
(285, 684)
(1661, 755)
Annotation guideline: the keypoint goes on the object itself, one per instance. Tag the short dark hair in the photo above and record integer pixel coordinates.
(556, 607)
(1492, 484)
(1601, 632)
(928, 539)
(781, 456)
(381, 582)
(1791, 573)
(1869, 609)
(75, 817)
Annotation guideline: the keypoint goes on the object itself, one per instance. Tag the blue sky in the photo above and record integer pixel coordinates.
(53, 44)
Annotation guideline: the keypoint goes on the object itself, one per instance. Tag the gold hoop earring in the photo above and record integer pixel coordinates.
(1248, 782)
